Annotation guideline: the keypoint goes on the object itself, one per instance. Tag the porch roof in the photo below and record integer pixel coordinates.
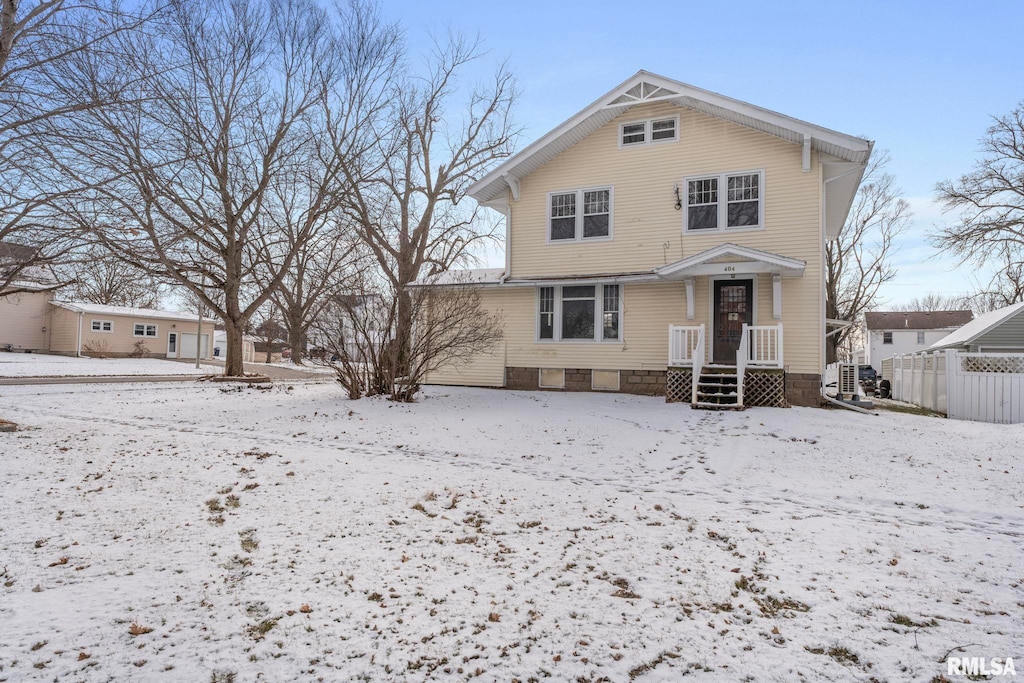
(732, 258)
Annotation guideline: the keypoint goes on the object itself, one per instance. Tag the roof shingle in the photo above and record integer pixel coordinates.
(916, 320)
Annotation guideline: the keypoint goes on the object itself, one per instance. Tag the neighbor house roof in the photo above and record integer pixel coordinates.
(916, 320)
(98, 309)
(843, 169)
(472, 276)
(978, 327)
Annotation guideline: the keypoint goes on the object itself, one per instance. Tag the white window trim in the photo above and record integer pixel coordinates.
(711, 303)
(155, 335)
(598, 316)
(648, 125)
(579, 215)
(93, 321)
(723, 202)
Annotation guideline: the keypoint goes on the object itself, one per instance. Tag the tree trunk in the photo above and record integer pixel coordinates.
(295, 338)
(831, 346)
(270, 350)
(233, 366)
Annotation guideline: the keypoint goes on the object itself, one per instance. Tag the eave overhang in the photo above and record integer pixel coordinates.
(731, 258)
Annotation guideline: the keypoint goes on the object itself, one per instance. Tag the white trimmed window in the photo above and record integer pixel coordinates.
(579, 313)
(739, 207)
(920, 337)
(144, 330)
(101, 326)
(637, 133)
(580, 215)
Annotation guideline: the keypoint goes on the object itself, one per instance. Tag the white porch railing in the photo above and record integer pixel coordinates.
(761, 346)
(682, 344)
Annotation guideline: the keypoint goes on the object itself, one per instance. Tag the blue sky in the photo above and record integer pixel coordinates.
(920, 79)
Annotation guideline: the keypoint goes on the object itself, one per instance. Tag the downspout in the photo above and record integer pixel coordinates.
(824, 219)
(81, 318)
(845, 405)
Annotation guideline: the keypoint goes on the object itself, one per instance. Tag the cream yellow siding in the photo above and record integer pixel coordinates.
(647, 312)
(484, 369)
(23, 320)
(63, 330)
(121, 340)
(647, 231)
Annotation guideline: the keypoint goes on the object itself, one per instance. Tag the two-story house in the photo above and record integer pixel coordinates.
(666, 240)
(893, 333)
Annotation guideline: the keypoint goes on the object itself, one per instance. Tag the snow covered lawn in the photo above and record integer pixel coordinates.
(43, 365)
(185, 533)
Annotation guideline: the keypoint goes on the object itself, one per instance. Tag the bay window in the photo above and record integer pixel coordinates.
(582, 312)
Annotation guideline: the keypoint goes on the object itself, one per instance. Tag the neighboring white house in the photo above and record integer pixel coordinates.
(999, 331)
(220, 346)
(894, 333)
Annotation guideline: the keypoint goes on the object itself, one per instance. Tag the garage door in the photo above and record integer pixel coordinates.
(187, 346)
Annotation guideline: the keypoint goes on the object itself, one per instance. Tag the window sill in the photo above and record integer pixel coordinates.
(581, 239)
(711, 231)
(574, 342)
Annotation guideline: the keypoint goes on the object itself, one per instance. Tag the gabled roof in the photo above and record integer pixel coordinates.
(916, 320)
(709, 262)
(849, 153)
(979, 327)
(98, 309)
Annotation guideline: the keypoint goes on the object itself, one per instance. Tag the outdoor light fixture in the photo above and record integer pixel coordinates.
(679, 199)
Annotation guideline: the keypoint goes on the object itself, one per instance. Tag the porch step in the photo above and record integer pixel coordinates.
(718, 388)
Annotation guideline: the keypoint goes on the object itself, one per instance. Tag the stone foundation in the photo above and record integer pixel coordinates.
(803, 389)
(645, 382)
(800, 389)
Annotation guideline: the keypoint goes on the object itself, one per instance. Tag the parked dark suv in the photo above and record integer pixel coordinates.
(867, 376)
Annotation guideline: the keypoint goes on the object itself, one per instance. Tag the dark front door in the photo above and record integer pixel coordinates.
(734, 305)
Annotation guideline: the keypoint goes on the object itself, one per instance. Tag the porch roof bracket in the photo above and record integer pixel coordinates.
(689, 298)
(513, 184)
(777, 296)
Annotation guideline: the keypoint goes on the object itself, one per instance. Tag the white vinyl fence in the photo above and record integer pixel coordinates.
(987, 387)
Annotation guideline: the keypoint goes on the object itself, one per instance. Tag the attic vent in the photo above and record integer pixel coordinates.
(642, 91)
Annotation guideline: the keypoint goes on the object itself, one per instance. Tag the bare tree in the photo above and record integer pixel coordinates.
(407, 209)
(937, 302)
(327, 255)
(451, 327)
(94, 276)
(320, 269)
(38, 38)
(229, 105)
(989, 207)
(857, 262)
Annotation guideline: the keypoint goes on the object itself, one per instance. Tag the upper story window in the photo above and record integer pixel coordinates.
(651, 130)
(102, 325)
(920, 337)
(580, 214)
(887, 337)
(579, 313)
(740, 206)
